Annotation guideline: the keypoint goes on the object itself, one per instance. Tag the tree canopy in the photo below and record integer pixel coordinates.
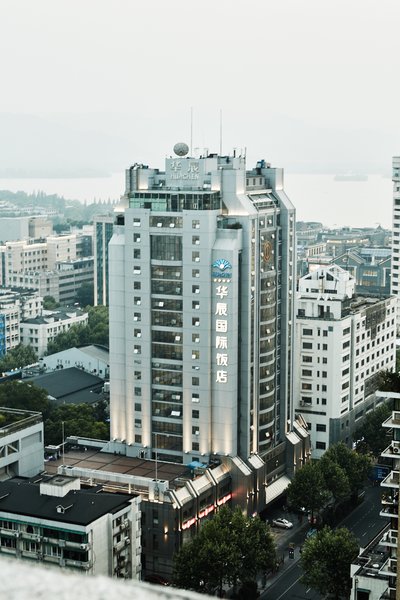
(229, 549)
(355, 466)
(326, 558)
(85, 294)
(20, 356)
(88, 420)
(371, 436)
(95, 332)
(308, 489)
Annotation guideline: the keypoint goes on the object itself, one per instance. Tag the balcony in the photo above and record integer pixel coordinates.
(390, 538)
(393, 421)
(392, 480)
(392, 451)
(389, 567)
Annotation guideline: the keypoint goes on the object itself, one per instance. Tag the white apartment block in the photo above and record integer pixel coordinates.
(40, 331)
(342, 342)
(52, 521)
(395, 281)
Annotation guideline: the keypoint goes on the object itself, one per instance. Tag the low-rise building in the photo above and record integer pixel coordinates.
(342, 342)
(52, 520)
(92, 359)
(21, 443)
(40, 331)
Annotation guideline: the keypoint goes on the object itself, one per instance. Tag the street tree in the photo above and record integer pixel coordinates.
(371, 436)
(356, 466)
(229, 549)
(325, 560)
(335, 478)
(308, 489)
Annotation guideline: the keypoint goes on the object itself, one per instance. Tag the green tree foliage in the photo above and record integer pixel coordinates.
(326, 560)
(308, 488)
(389, 382)
(371, 436)
(88, 420)
(229, 549)
(20, 356)
(95, 332)
(335, 478)
(49, 303)
(25, 396)
(78, 419)
(355, 466)
(85, 294)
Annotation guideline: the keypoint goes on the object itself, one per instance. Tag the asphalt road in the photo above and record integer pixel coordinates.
(364, 521)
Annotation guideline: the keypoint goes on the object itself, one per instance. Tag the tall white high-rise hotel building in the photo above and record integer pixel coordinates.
(201, 304)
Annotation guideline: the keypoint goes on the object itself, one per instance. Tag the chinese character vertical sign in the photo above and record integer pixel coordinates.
(221, 275)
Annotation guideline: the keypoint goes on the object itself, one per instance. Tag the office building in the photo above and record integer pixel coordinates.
(201, 314)
(342, 342)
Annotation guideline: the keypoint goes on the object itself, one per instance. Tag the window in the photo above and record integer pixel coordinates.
(136, 238)
(195, 289)
(195, 414)
(195, 338)
(195, 381)
(138, 439)
(307, 359)
(195, 224)
(195, 397)
(195, 256)
(136, 253)
(137, 333)
(195, 446)
(137, 285)
(136, 222)
(320, 445)
(196, 305)
(195, 430)
(306, 373)
(137, 349)
(307, 346)
(324, 388)
(307, 332)
(321, 427)
(195, 322)
(324, 346)
(137, 316)
(166, 247)
(195, 273)
(195, 240)
(137, 300)
(306, 386)
(346, 344)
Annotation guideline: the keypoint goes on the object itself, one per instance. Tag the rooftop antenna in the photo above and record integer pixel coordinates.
(191, 131)
(220, 131)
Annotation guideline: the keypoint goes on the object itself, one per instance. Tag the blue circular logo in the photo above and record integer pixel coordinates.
(222, 264)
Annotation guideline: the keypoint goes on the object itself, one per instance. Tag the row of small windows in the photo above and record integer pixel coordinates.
(160, 221)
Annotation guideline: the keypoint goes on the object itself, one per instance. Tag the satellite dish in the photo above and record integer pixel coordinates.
(181, 149)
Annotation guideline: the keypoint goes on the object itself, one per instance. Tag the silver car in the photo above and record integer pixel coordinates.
(284, 523)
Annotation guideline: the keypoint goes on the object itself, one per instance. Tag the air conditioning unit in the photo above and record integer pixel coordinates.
(301, 403)
(396, 449)
(127, 541)
(126, 523)
(83, 546)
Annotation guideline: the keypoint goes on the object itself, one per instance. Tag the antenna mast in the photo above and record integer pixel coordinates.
(220, 131)
(191, 131)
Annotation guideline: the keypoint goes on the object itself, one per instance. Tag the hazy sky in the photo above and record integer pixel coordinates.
(301, 83)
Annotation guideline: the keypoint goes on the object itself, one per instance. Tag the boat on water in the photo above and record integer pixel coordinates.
(351, 177)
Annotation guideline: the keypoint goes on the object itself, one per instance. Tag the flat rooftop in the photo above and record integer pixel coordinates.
(116, 463)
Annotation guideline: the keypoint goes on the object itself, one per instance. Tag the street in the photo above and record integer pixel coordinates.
(364, 521)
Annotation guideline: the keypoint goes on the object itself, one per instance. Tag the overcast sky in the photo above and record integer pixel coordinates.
(299, 82)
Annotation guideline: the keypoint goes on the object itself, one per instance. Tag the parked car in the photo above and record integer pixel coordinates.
(284, 523)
